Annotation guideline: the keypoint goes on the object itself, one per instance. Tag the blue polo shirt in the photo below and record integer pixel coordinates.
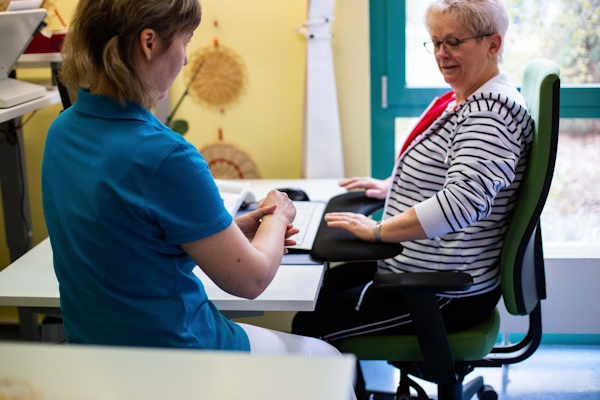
(121, 192)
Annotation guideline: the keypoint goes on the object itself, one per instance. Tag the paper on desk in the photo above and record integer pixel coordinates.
(24, 5)
(232, 193)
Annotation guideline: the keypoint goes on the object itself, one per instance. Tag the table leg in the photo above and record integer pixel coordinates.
(28, 324)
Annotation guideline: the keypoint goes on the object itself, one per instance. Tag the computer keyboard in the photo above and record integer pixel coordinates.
(308, 219)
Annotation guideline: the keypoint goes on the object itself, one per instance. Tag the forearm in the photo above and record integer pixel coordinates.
(236, 265)
(269, 239)
(403, 227)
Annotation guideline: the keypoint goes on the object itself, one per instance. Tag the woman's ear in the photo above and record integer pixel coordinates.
(149, 43)
(495, 42)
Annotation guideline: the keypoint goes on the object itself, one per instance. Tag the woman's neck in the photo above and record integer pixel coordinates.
(464, 94)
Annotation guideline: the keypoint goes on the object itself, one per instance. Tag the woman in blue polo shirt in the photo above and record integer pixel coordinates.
(131, 206)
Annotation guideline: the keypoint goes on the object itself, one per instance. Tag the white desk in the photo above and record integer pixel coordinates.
(30, 283)
(52, 97)
(89, 372)
(13, 174)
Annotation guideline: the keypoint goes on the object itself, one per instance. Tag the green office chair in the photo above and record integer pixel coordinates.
(431, 353)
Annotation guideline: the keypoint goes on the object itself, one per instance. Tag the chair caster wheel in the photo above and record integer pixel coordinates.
(487, 393)
(403, 397)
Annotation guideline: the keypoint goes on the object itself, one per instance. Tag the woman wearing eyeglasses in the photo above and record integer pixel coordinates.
(452, 189)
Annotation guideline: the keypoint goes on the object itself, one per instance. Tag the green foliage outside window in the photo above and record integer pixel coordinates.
(567, 31)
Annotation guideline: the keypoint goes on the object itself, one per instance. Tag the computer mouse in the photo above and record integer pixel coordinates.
(249, 199)
(295, 194)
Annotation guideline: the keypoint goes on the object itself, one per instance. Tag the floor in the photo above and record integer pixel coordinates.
(565, 372)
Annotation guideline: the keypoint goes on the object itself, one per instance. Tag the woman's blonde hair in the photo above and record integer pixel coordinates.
(481, 17)
(100, 46)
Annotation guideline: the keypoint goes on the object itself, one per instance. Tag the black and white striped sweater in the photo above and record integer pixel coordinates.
(462, 176)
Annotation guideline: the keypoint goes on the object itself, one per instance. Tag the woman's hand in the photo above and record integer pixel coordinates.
(285, 208)
(357, 224)
(291, 231)
(376, 188)
(249, 222)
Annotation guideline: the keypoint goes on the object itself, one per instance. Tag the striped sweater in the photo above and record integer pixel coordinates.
(462, 176)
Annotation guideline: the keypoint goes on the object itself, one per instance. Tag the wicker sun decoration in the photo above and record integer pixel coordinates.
(222, 79)
(227, 161)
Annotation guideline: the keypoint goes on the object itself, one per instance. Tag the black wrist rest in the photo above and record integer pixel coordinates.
(334, 244)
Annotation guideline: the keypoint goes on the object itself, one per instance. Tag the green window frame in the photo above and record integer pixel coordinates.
(391, 98)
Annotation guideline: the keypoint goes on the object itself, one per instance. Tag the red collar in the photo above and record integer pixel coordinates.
(434, 113)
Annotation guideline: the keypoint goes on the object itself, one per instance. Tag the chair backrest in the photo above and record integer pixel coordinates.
(522, 264)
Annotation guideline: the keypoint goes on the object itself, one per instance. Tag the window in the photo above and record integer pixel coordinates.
(572, 211)
(566, 31)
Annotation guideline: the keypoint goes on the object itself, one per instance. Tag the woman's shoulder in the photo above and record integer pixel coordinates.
(155, 131)
(501, 89)
(498, 97)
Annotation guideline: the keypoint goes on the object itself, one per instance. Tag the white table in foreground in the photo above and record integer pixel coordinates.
(90, 372)
(30, 282)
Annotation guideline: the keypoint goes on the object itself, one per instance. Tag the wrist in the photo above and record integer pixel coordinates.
(377, 230)
(277, 217)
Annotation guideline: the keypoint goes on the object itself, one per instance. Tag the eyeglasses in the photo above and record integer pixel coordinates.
(450, 44)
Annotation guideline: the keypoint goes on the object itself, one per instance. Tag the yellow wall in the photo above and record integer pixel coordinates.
(352, 69)
(267, 120)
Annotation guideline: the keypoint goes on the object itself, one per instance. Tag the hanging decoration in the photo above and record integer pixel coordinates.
(223, 77)
(228, 161)
(322, 153)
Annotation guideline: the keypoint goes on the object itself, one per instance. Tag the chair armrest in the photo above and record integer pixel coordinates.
(334, 244)
(435, 282)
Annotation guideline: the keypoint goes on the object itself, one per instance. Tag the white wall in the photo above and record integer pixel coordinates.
(573, 302)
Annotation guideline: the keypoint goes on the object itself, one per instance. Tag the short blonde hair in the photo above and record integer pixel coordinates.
(99, 48)
(481, 17)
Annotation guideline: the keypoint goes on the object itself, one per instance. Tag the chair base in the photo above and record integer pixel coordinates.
(446, 391)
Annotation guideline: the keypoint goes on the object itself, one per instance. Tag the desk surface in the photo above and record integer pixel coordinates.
(51, 97)
(89, 372)
(30, 281)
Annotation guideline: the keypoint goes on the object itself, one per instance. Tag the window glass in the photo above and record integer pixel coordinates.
(572, 211)
(402, 128)
(566, 31)
(421, 68)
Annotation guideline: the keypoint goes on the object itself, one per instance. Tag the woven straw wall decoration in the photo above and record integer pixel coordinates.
(221, 80)
(227, 161)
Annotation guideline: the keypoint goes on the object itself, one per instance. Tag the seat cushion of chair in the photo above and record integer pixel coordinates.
(468, 345)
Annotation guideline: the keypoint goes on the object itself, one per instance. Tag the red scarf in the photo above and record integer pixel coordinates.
(434, 113)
